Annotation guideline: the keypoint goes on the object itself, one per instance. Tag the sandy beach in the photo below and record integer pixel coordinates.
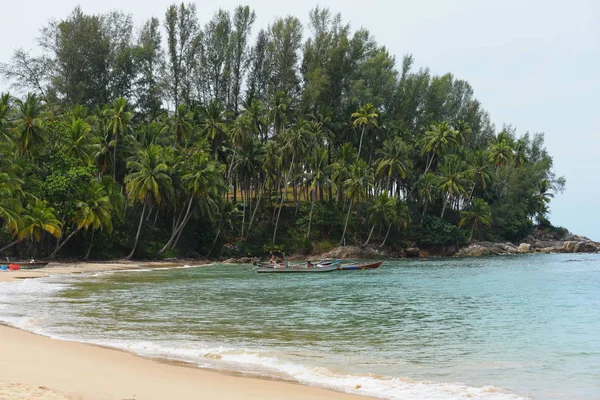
(37, 367)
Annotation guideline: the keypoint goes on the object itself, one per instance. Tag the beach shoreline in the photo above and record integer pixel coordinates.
(40, 368)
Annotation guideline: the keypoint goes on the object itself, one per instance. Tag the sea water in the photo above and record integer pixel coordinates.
(482, 328)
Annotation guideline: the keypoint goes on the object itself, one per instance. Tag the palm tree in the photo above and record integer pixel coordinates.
(10, 205)
(364, 117)
(392, 161)
(478, 172)
(437, 141)
(228, 214)
(501, 151)
(319, 179)
(182, 124)
(148, 183)
(345, 157)
(5, 123)
(248, 167)
(400, 217)
(356, 186)
(478, 215)
(381, 211)
(38, 218)
(95, 211)
(30, 125)
(295, 141)
(428, 190)
(542, 198)
(213, 125)
(119, 122)
(451, 180)
(79, 143)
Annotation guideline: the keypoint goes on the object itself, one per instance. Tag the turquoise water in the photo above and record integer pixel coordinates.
(489, 328)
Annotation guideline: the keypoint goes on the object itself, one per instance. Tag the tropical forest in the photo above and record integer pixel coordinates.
(177, 139)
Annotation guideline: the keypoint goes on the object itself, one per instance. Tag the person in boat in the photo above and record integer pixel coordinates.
(273, 260)
(309, 264)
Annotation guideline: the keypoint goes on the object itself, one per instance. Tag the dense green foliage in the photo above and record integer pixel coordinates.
(194, 141)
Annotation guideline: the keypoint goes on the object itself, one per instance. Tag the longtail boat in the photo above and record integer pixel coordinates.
(371, 265)
(298, 268)
(31, 264)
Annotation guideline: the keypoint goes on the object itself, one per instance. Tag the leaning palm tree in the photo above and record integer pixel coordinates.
(94, 211)
(478, 215)
(356, 186)
(381, 211)
(148, 183)
(119, 122)
(38, 218)
(364, 117)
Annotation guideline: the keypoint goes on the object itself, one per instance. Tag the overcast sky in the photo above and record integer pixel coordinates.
(534, 64)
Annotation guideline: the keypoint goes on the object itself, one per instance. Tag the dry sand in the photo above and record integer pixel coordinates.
(39, 368)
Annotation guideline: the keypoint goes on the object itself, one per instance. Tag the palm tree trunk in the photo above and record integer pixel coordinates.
(115, 155)
(11, 244)
(386, 235)
(361, 139)
(185, 221)
(346, 224)
(214, 241)
(312, 206)
(445, 204)
(137, 236)
(178, 227)
(89, 250)
(64, 242)
(260, 195)
(472, 229)
(281, 203)
(369, 238)
(231, 165)
(423, 213)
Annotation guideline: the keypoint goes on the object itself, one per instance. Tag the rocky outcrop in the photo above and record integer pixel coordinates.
(353, 253)
(532, 244)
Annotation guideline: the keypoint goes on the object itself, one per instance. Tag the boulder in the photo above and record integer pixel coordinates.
(524, 248)
(412, 252)
(352, 252)
(585, 247)
(475, 250)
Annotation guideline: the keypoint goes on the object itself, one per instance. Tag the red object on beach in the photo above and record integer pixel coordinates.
(14, 267)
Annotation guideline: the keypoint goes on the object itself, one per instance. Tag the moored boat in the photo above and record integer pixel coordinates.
(24, 264)
(371, 265)
(300, 268)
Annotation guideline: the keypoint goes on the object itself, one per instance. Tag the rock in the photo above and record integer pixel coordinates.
(412, 252)
(524, 248)
(585, 247)
(569, 246)
(352, 252)
(475, 250)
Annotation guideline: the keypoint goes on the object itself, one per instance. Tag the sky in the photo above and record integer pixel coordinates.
(534, 64)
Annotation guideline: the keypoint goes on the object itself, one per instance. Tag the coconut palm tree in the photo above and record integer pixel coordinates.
(6, 133)
(478, 215)
(400, 217)
(10, 205)
(119, 123)
(38, 218)
(381, 211)
(501, 151)
(542, 198)
(452, 182)
(213, 124)
(355, 187)
(478, 173)
(148, 182)
(95, 211)
(30, 125)
(437, 141)
(392, 162)
(428, 191)
(319, 179)
(79, 143)
(344, 159)
(365, 116)
(228, 215)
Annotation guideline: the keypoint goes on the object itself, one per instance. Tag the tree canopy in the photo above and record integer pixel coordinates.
(229, 143)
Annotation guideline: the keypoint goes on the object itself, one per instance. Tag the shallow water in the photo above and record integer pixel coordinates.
(489, 328)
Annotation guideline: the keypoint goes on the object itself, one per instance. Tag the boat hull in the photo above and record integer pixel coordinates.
(372, 265)
(27, 264)
(305, 270)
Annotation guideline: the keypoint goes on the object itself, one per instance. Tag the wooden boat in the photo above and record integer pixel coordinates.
(298, 268)
(25, 264)
(371, 265)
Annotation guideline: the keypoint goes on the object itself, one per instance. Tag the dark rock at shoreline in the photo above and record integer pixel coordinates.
(412, 252)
